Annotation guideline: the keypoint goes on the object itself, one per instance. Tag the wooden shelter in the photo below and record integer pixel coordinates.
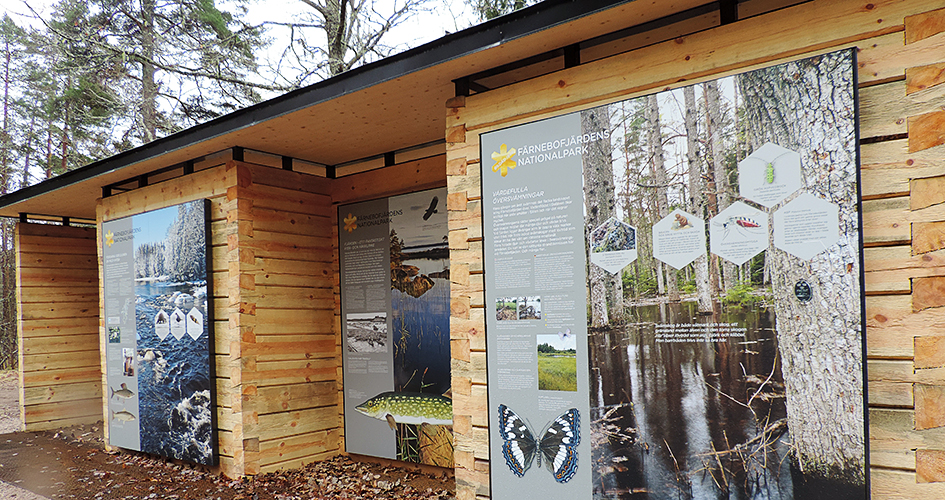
(275, 172)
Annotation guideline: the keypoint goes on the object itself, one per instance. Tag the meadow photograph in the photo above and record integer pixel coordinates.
(557, 362)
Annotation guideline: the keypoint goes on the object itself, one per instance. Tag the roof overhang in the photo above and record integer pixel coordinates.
(386, 106)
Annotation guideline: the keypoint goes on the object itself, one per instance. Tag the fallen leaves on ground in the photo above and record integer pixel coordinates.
(84, 470)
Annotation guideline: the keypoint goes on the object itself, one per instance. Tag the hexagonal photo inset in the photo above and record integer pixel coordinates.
(738, 233)
(613, 245)
(806, 226)
(679, 239)
(769, 174)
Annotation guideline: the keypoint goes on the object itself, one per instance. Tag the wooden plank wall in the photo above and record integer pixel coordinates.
(281, 314)
(905, 265)
(901, 60)
(406, 177)
(275, 347)
(57, 312)
(276, 301)
(213, 184)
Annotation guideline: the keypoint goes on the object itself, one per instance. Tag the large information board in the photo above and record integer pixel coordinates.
(158, 319)
(395, 296)
(673, 289)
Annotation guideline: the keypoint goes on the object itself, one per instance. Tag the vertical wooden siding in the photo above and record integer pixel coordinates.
(903, 181)
(57, 309)
(467, 312)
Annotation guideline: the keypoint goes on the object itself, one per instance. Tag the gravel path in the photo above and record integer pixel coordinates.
(9, 403)
(9, 491)
(10, 422)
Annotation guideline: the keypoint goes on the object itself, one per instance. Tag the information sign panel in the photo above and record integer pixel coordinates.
(159, 353)
(395, 295)
(701, 308)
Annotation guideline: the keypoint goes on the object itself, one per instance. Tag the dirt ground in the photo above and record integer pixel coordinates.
(72, 464)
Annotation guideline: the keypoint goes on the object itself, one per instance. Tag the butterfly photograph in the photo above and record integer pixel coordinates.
(557, 444)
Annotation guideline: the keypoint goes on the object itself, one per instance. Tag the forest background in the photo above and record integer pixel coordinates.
(83, 80)
(688, 149)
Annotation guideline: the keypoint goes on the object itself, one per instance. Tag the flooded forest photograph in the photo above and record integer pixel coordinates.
(726, 360)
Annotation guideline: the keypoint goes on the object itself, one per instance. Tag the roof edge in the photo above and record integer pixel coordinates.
(518, 24)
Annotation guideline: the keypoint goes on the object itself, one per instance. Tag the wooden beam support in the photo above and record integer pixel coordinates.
(572, 56)
(728, 11)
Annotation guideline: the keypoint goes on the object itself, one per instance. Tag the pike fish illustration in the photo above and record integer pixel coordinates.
(124, 392)
(414, 408)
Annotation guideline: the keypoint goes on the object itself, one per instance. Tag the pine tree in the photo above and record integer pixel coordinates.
(696, 195)
(185, 244)
(77, 89)
(655, 147)
(600, 204)
(490, 9)
(182, 62)
(631, 122)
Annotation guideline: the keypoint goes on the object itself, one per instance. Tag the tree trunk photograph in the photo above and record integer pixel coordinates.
(740, 368)
(820, 340)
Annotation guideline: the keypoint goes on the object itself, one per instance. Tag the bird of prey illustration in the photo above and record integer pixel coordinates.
(432, 210)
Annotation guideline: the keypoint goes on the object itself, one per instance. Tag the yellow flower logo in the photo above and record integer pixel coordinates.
(351, 223)
(503, 160)
(109, 238)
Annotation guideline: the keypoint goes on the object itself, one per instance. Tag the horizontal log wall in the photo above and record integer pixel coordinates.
(57, 312)
(284, 337)
(276, 301)
(213, 184)
(922, 110)
(407, 177)
(901, 57)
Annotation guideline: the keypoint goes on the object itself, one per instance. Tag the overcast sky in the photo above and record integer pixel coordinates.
(438, 18)
(555, 340)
